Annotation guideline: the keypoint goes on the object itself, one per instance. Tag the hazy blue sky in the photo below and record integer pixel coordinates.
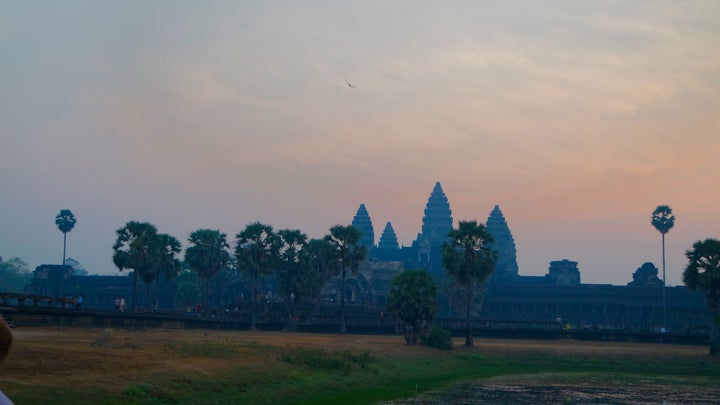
(578, 118)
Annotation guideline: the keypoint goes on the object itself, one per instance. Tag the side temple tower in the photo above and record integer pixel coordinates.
(388, 239)
(388, 247)
(506, 269)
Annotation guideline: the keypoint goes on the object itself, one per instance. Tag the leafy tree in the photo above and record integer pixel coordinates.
(78, 268)
(135, 248)
(65, 221)
(469, 262)
(663, 220)
(316, 268)
(220, 283)
(256, 253)
(14, 275)
(188, 288)
(206, 256)
(703, 273)
(413, 300)
(345, 254)
(303, 269)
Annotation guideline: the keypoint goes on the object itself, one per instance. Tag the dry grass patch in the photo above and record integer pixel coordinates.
(160, 363)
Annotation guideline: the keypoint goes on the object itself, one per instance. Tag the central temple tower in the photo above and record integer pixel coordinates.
(363, 223)
(437, 223)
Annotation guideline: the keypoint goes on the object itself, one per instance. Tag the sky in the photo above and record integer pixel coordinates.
(577, 118)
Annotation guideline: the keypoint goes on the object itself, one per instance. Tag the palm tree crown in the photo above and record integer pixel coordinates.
(65, 221)
(663, 219)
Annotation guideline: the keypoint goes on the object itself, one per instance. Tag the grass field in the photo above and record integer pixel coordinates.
(73, 365)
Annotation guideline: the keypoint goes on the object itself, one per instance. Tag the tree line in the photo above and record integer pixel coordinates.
(14, 274)
(303, 265)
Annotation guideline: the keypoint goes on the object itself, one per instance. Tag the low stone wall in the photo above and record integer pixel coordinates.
(26, 316)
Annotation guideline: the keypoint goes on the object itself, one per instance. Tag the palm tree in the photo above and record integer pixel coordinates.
(65, 221)
(167, 263)
(663, 220)
(345, 254)
(317, 267)
(256, 253)
(135, 248)
(293, 271)
(469, 262)
(703, 273)
(206, 255)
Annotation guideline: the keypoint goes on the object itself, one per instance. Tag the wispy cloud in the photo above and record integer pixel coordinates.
(568, 114)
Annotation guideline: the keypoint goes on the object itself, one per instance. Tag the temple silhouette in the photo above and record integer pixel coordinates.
(437, 222)
(510, 298)
(424, 253)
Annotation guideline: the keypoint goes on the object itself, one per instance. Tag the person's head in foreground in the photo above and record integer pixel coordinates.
(6, 339)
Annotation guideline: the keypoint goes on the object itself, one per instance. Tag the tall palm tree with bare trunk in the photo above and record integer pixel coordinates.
(345, 253)
(469, 262)
(663, 220)
(257, 252)
(140, 247)
(168, 265)
(207, 255)
(65, 222)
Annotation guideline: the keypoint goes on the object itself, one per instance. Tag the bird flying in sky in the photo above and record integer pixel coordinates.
(352, 86)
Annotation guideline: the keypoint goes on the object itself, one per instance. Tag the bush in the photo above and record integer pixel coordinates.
(438, 338)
